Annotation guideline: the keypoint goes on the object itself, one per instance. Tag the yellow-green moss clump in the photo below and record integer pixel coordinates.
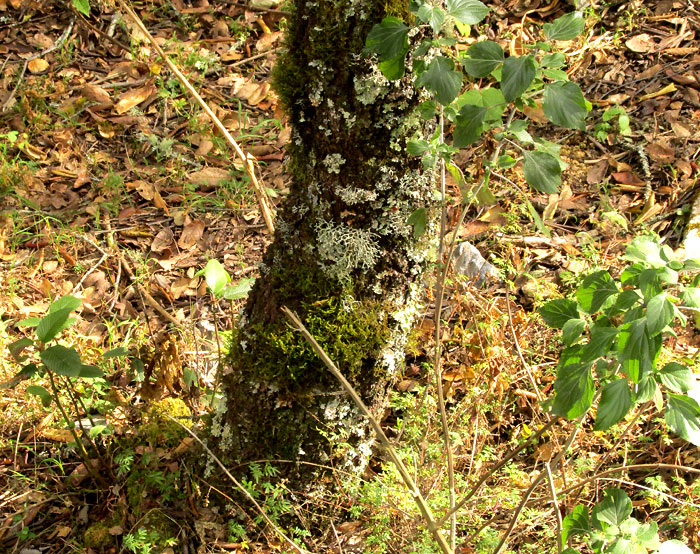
(97, 536)
(161, 430)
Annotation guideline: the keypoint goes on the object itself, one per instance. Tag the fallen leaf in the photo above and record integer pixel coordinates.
(596, 174)
(641, 43)
(162, 241)
(96, 94)
(38, 65)
(627, 178)
(208, 177)
(134, 97)
(661, 153)
(58, 435)
(191, 233)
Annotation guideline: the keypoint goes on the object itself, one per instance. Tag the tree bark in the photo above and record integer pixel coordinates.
(343, 256)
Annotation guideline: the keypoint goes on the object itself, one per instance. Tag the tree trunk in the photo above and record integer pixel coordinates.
(343, 256)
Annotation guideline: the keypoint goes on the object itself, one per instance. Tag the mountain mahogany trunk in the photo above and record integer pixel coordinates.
(343, 255)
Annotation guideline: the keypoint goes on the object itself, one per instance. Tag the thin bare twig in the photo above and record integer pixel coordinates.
(557, 513)
(246, 159)
(240, 487)
(423, 507)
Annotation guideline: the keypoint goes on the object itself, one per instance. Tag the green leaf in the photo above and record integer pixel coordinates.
(615, 402)
(417, 147)
(600, 343)
(691, 297)
(394, 68)
(483, 58)
(518, 73)
(505, 161)
(637, 349)
(239, 290)
(469, 125)
(557, 312)
(566, 27)
(557, 59)
(564, 105)
(115, 352)
(573, 390)
(441, 79)
(388, 39)
(83, 6)
(432, 15)
(645, 390)
(660, 313)
(645, 250)
(614, 509)
(52, 324)
(62, 360)
(572, 331)
(595, 290)
(683, 417)
(17, 347)
(42, 393)
(419, 221)
(216, 276)
(575, 523)
(676, 377)
(29, 322)
(542, 171)
(469, 12)
(90, 372)
(625, 300)
(70, 302)
(519, 130)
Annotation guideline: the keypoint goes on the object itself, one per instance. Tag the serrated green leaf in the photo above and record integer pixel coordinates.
(557, 312)
(239, 290)
(600, 343)
(83, 6)
(645, 390)
(469, 125)
(564, 105)
(566, 27)
(52, 324)
(517, 75)
(417, 147)
(573, 390)
(595, 290)
(388, 39)
(676, 377)
(542, 171)
(62, 360)
(614, 509)
(70, 302)
(394, 68)
(505, 161)
(691, 297)
(29, 322)
(441, 79)
(646, 250)
(637, 349)
(518, 129)
(660, 312)
(469, 12)
(483, 58)
(572, 331)
(615, 402)
(683, 417)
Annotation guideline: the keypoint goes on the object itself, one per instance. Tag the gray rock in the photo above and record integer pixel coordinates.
(468, 261)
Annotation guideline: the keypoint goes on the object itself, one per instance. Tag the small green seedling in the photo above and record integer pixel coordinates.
(219, 282)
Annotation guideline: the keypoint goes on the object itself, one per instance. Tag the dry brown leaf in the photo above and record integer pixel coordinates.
(267, 40)
(641, 43)
(162, 241)
(37, 65)
(58, 435)
(145, 189)
(627, 178)
(680, 130)
(661, 153)
(191, 233)
(96, 94)
(133, 97)
(159, 203)
(180, 286)
(596, 174)
(208, 177)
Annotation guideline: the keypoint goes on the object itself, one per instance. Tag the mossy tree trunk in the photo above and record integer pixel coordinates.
(343, 256)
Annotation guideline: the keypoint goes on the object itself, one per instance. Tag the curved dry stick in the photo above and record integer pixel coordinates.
(263, 201)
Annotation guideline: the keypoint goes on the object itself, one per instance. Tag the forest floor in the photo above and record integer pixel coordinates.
(115, 188)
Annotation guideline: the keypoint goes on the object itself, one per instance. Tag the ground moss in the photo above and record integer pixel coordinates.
(97, 536)
(158, 429)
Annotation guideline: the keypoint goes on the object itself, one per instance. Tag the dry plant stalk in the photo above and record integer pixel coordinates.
(423, 507)
(246, 159)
